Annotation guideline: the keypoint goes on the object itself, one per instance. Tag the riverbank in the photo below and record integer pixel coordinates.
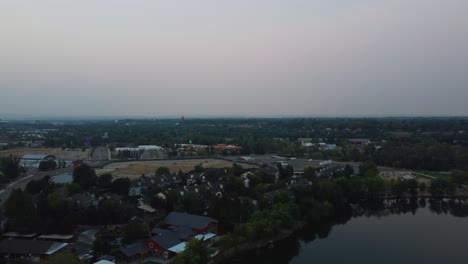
(222, 256)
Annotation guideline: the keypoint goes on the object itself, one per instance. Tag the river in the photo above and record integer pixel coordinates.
(419, 235)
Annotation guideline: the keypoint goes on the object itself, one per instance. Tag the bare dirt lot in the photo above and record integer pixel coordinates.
(58, 152)
(134, 169)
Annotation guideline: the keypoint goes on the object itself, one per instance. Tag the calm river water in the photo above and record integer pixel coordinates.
(421, 236)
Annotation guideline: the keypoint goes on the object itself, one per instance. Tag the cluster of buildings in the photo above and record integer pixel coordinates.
(165, 241)
(177, 230)
(140, 152)
(190, 149)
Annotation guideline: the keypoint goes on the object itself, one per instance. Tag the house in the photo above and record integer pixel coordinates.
(85, 241)
(34, 250)
(167, 243)
(162, 243)
(199, 224)
(133, 251)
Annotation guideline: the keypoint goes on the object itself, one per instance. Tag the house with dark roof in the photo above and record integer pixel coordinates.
(199, 224)
(34, 250)
(167, 243)
(162, 241)
(133, 251)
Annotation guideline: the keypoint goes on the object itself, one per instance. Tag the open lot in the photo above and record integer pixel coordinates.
(134, 169)
(58, 152)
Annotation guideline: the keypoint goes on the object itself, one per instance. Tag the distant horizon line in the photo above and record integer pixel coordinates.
(21, 117)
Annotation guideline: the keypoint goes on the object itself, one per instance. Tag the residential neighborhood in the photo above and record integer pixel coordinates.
(153, 202)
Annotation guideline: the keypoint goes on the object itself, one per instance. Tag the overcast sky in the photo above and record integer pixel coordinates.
(242, 57)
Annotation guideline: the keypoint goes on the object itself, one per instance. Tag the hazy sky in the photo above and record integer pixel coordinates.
(237, 57)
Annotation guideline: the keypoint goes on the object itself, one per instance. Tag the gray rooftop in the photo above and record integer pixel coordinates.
(192, 221)
(165, 238)
(133, 249)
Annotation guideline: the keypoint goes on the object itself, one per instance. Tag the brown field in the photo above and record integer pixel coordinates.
(134, 169)
(58, 152)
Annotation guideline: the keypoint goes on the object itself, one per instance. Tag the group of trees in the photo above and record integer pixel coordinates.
(46, 165)
(431, 155)
(51, 211)
(10, 168)
(263, 224)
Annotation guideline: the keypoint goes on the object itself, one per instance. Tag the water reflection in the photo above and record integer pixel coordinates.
(398, 212)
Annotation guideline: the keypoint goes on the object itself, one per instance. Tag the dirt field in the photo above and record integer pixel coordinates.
(134, 169)
(58, 152)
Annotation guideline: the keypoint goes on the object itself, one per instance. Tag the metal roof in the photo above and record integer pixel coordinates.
(205, 236)
(179, 247)
(37, 156)
(165, 238)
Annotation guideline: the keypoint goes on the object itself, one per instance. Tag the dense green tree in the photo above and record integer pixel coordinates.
(368, 169)
(133, 231)
(237, 169)
(34, 187)
(46, 165)
(163, 171)
(193, 203)
(196, 252)
(309, 173)
(105, 181)
(20, 211)
(422, 187)
(10, 166)
(121, 186)
(441, 187)
(285, 172)
(101, 246)
(413, 187)
(460, 177)
(199, 168)
(85, 176)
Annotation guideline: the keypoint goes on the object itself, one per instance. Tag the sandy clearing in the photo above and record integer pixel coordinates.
(137, 168)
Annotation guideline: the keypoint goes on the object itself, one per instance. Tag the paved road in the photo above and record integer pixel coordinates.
(100, 154)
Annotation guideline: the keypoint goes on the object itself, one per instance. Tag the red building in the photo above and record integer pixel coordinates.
(179, 228)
